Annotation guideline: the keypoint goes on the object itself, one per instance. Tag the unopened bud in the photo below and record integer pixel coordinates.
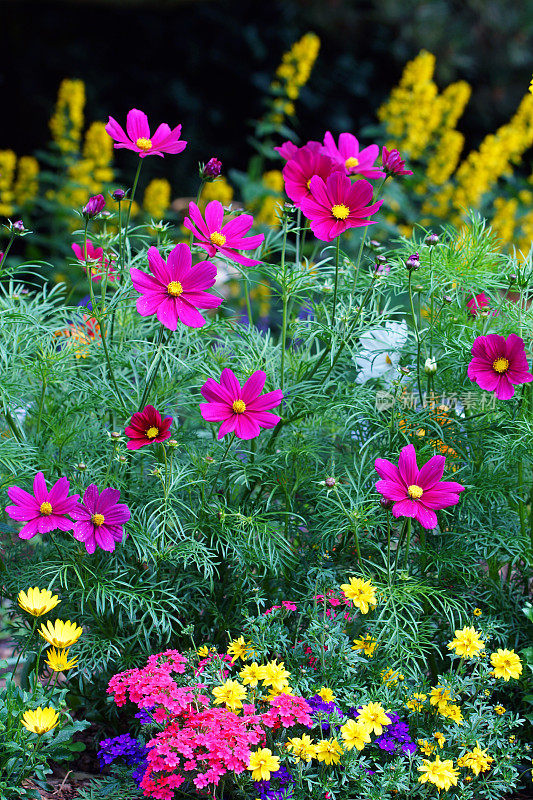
(386, 503)
(172, 443)
(430, 367)
(18, 226)
(413, 262)
(94, 206)
(115, 435)
(211, 170)
(432, 239)
(374, 244)
(447, 299)
(330, 482)
(119, 195)
(81, 466)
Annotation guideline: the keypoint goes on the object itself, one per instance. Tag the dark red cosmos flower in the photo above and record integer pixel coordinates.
(147, 426)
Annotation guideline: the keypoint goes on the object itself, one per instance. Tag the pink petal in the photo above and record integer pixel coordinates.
(214, 214)
(158, 266)
(230, 383)
(431, 472)
(253, 386)
(197, 218)
(115, 131)
(266, 401)
(39, 488)
(391, 490)
(137, 125)
(188, 314)
(179, 262)
(387, 470)
(426, 517)
(405, 508)
(228, 426)
(246, 427)
(167, 313)
(214, 412)
(407, 465)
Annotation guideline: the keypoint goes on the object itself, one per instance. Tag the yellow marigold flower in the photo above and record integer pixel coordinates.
(58, 660)
(416, 701)
(451, 711)
(477, 760)
(238, 648)
(362, 593)
(506, 664)
(61, 634)
(326, 694)
(391, 676)
(467, 642)
(67, 121)
(425, 747)
(374, 717)
(41, 720)
(439, 695)
(26, 185)
(38, 601)
(499, 709)
(157, 198)
(251, 674)
(477, 612)
(365, 643)
(276, 675)
(231, 693)
(440, 773)
(203, 651)
(329, 751)
(262, 763)
(355, 734)
(441, 739)
(302, 748)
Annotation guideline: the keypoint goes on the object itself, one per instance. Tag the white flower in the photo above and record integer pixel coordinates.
(430, 367)
(380, 353)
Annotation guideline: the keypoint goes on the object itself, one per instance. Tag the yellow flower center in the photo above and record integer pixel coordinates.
(388, 359)
(500, 365)
(415, 491)
(340, 211)
(351, 162)
(45, 509)
(218, 239)
(152, 432)
(144, 144)
(98, 519)
(239, 406)
(174, 288)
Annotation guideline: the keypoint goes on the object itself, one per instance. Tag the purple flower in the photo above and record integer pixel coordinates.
(119, 195)
(393, 163)
(94, 205)
(283, 779)
(212, 169)
(144, 715)
(413, 262)
(126, 747)
(45, 510)
(100, 519)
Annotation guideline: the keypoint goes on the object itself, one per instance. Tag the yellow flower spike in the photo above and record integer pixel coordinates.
(41, 720)
(262, 763)
(506, 664)
(362, 593)
(61, 634)
(67, 121)
(58, 660)
(467, 642)
(157, 198)
(37, 601)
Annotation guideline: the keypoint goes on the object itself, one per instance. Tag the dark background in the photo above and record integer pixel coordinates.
(206, 64)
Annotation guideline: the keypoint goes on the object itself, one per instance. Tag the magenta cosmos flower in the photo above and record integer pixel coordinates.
(44, 511)
(138, 136)
(298, 171)
(227, 238)
(243, 410)
(100, 519)
(499, 364)
(351, 158)
(95, 261)
(416, 492)
(393, 163)
(146, 426)
(175, 290)
(338, 204)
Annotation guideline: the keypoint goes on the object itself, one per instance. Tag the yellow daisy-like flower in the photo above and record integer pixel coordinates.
(355, 734)
(499, 710)
(203, 651)
(251, 674)
(441, 774)
(231, 694)
(238, 648)
(326, 694)
(38, 601)
(440, 695)
(276, 675)
(329, 751)
(391, 676)
(506, 664)
(441, 739)
(467, 642)
(58, 660)
(477, 612)
(302, 748)
(425, 747)
(272, 693)
(362, 593)
(451, 711)
(374, 717)
(41, 720)
(262, 763)
(477, 760)
(365, 643)
(416, 701)
(61, 634)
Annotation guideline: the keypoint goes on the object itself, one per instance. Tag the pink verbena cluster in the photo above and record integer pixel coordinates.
(286, 710)
(285, 604)
(206, 744)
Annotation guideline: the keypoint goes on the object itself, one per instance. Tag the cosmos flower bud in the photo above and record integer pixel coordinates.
(413, 262)
(330, 482)
(374, 244)
(430, 367)
(432, 239)
(211, 170)
(119, 195)
(393, 163)
(386, 504)
(18, 226)
(382, 259)
(93, 207)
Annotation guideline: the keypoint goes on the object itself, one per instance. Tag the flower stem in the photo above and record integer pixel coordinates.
(198, 195)
(6, 251)
(285, 301)
(417, 335)
(151, 374)
(220, 467)
(407, 543)
(132, 198)
(337, 252)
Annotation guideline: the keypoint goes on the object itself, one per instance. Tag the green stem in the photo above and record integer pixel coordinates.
(132, 198)
(151, 374)
(398, 548)
(41, 404)
(285, 301)
(337, 252)
(521, 504)
(388, 548)
(407, 543)
(359, 256)
(111, 373)
(6, 251)
(198, 195)
(417, 335)
(220, 467)
(247, 298)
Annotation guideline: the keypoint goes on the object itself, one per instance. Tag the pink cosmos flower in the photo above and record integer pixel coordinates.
(478, 303)
(95, 256)
(351, 158)
(499, 364)
(393, 163)
(100, 519)
(138, 136)
(298, 171)
(146, 426)
(416, 493)
(338, 204)
(287, 150)
(44, 511)
(177, 289)
(243, 410)
(216, 237)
